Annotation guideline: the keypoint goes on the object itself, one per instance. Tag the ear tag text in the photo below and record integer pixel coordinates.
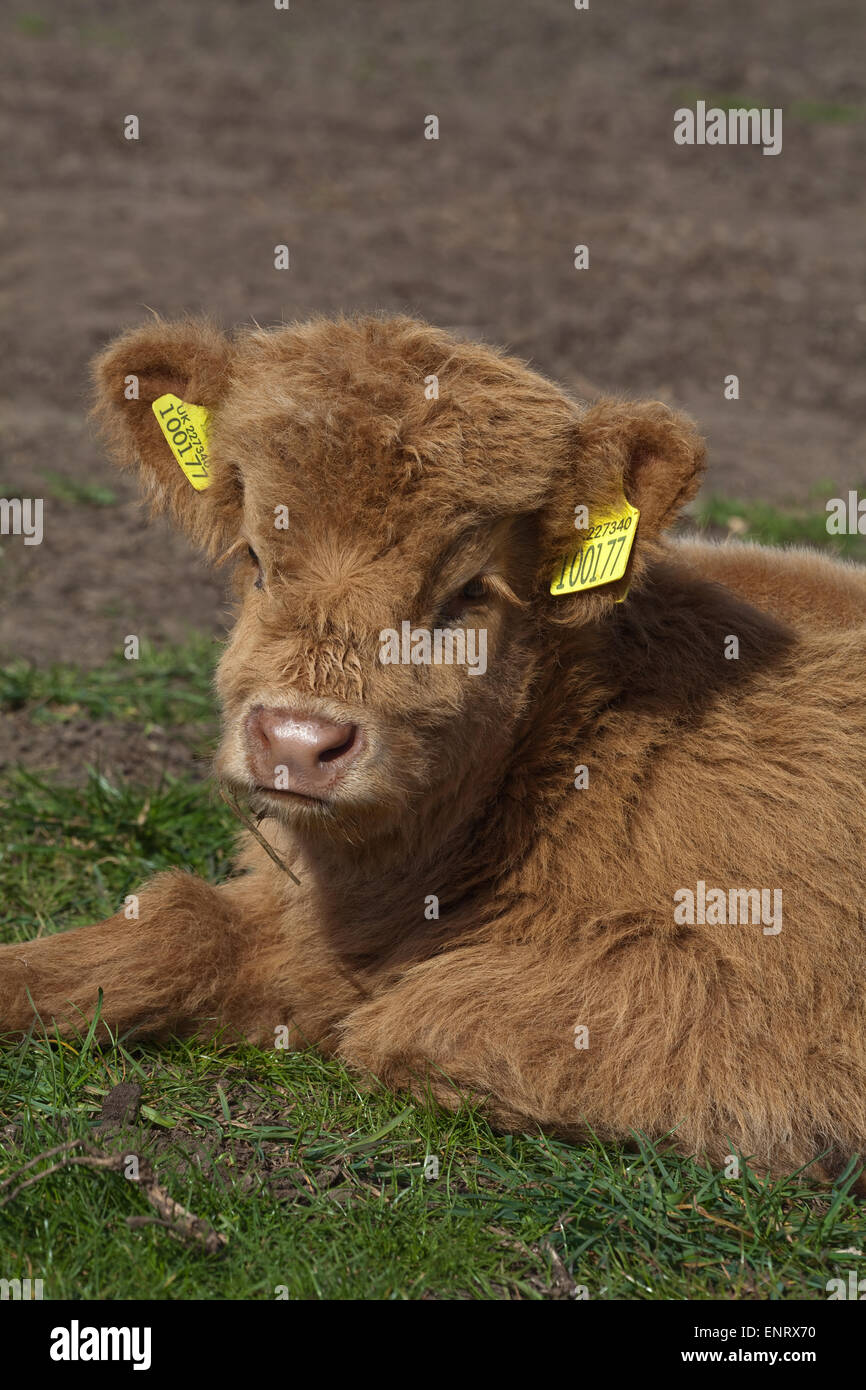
(603, 555)
(185, 428)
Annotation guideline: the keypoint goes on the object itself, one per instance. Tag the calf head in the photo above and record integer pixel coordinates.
(372, 480)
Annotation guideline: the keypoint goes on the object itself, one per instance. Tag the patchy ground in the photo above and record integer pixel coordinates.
(64, 749)
(293, 1179)
(305, 126)
(135, 719)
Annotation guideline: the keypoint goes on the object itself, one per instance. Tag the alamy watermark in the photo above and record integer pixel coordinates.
(742, 907)
(846, 516)
(733, 125)
(850, 1288)
(77, 1343)
(22, 516)
(21, 1289)
(441, 646)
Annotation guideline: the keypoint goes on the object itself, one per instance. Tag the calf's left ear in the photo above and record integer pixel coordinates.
(187, 361)
(638, 453)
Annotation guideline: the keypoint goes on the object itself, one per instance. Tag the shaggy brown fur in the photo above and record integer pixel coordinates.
(556, 905)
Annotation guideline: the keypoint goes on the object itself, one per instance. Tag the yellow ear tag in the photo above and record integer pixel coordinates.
(603, 555)
(185, 428)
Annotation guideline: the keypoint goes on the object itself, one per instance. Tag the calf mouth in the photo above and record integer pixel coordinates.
(289, 797)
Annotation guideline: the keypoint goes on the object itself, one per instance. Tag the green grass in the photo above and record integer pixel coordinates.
(71, 854)
(318, 1184)
(74, 490)
(319, 1187)
(806, 109)
(772, 525)
(34, 25)
(167, 687)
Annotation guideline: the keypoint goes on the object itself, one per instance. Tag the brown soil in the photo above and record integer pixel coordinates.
(64, 750)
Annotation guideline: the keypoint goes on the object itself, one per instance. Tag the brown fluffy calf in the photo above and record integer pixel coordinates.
(407, 784)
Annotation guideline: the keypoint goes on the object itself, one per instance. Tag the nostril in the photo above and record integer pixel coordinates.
(306, 752)
(327, 755)
(255, 726)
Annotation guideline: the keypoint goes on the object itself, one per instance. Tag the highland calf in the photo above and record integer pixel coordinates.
(468, 882)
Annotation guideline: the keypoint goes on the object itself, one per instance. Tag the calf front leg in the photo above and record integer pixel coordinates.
(666, 1051)
(163, 971)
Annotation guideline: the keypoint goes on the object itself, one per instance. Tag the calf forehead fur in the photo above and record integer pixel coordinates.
(393, 412)
(384, 440)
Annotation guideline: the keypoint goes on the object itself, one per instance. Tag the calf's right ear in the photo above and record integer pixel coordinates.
(190, 360)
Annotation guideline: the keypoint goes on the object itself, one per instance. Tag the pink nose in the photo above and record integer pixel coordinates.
(298, 752)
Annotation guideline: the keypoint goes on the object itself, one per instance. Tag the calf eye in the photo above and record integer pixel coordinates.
(474, 590)
(471, 593)
(255, 559)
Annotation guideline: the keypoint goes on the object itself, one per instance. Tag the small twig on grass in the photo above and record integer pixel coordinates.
(49, 1153)
(175, 1218)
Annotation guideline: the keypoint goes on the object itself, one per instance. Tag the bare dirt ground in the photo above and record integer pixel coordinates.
(305, 126)
(67, 747)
